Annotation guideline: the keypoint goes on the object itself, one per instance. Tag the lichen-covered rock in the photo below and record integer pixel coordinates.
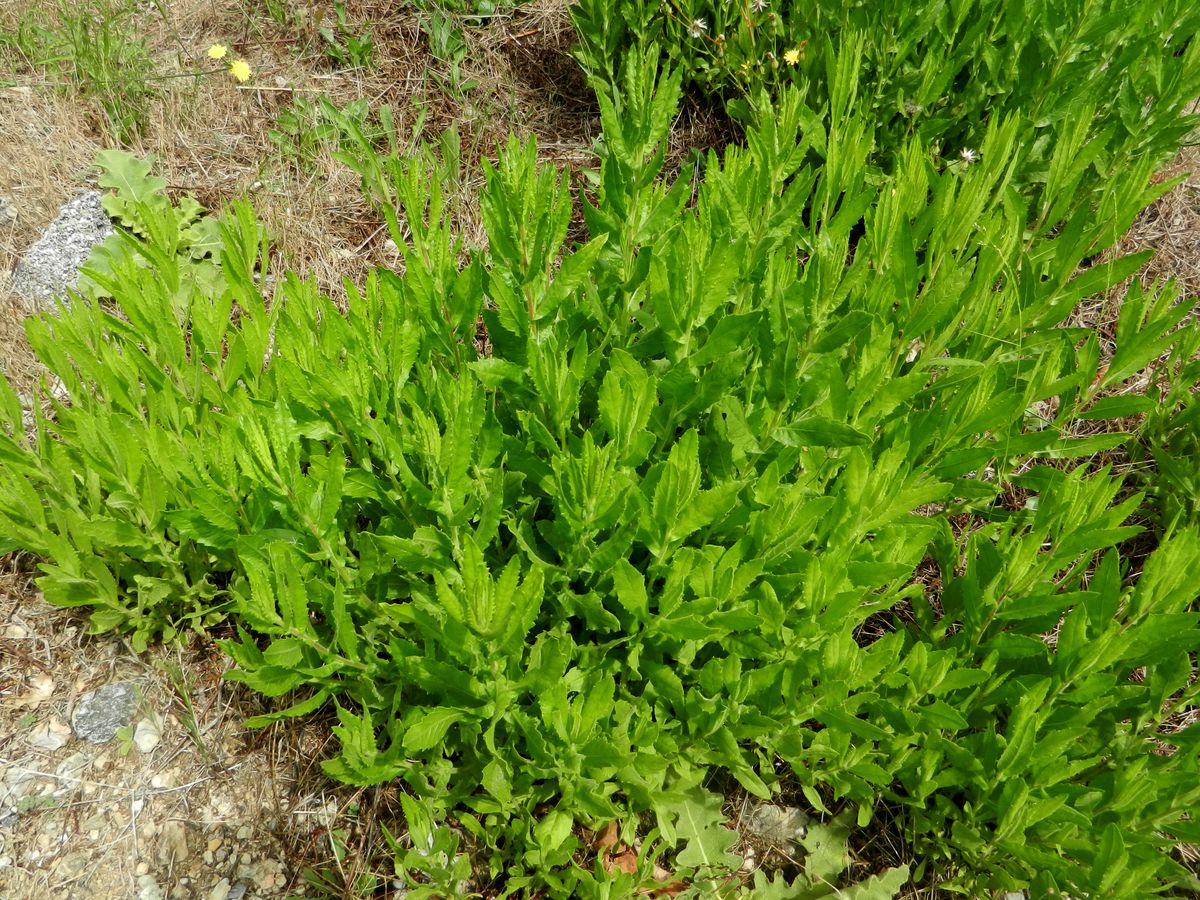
(100, 713)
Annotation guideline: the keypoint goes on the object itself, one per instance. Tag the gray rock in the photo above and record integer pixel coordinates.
(100, 713)
(52, 264)
(73, 865)
(18, 782)
(73, 765)
(8, 212)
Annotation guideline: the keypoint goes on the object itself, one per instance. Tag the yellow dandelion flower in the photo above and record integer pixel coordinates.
(791, 57)
(240, 69)
(217, 51)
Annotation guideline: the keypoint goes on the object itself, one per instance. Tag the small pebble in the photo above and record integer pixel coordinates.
(146, 735)
(243, 833)
(50, 735)
(173, 845)
(148, 888)
(142, 868)
(72, 865)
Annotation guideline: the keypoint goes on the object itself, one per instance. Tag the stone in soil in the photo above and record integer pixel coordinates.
(146, 735)
(52, 264)
(50, 735)
(172, 844)
(99, 714)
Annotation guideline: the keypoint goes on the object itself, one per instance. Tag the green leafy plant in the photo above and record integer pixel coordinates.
(1168, 457)
(184, 687)
(343, 45)
(826, 856)
(444, 33)
(748, 484)
(147, 221)
(301, 132)
(36, 802)
(445, 24)
(433, 866)
(28, 45)
(281, 13)
(306, 128)
(938, 71)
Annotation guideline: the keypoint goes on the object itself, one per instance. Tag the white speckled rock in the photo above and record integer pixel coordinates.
(148, 888)
(51, 265)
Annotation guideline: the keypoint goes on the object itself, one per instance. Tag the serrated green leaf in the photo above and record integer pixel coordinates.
(826, 849)
(429, 728)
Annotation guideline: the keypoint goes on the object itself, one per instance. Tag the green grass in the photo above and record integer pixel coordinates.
(93, 48)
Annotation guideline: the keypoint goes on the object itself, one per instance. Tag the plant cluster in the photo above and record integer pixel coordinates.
(938, 71)
(787, 475)
(94, 48)
(149, 226)
(343, 44)
(306, 128)
(444, 25)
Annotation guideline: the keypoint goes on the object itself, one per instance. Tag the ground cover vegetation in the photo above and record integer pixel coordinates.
(782, 473)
